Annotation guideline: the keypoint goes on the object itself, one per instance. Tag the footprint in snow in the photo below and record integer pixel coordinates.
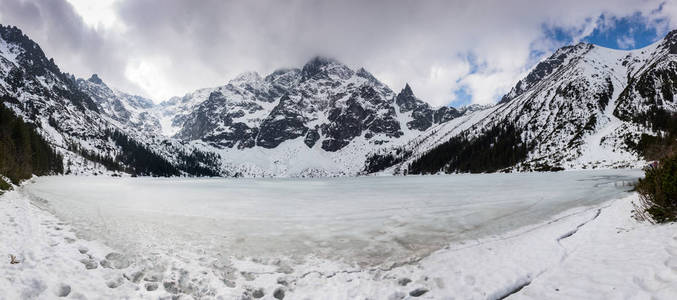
(63, 291)
(469, 280)
(666, 276)
(89, 263)
(647, 284)
(115, 260)
(115, 282)
(671, 263)
(134, 277)
(418, 292)
(671, 250)
(151, 286)
(404, 281)
(278, 294)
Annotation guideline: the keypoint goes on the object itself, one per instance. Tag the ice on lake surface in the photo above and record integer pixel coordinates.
(363, 220)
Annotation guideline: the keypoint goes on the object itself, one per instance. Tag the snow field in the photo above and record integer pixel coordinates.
(578, 249)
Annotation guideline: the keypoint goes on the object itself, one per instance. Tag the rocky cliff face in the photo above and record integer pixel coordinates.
(320, 119)
(422, 115)
(579, 108)
(324, 101)
(324, 107)
(95, 128)
(128, 110)
(583, 107)
(34, 87)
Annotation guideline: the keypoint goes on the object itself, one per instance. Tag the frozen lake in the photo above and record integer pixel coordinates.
(365, 220)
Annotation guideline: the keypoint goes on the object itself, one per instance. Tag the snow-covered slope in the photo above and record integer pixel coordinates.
(580, 108)
(96, 129)
(34, 88)
(533, 236)
(583, 107)
(321, 119)
(127, 110)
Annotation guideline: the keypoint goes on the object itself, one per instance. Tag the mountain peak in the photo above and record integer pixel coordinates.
(320, 61)
(474, 107)
(95, 79)
(406, 99)
(672, 35)
(249, 76)
(407, 90)
(11, 33)
(670, 41)
(546, 67)
(316, 65)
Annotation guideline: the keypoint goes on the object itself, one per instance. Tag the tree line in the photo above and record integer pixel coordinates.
(137, 159)
(499, 147)
(23, 151)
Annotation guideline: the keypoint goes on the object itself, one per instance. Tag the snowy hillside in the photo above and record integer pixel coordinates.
(96, 129)
(127, 110)
(583, 107)
(318, 120)
(321, 119)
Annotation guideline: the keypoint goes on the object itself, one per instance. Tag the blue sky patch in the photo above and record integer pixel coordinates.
(462, 97)
(625, 33)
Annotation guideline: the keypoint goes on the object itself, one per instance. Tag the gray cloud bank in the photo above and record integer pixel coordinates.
(162, 48)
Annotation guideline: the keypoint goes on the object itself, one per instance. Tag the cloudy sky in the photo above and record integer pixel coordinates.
(451, 52)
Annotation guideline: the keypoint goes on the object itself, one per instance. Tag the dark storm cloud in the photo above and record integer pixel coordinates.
(169, 47)
(62, 34)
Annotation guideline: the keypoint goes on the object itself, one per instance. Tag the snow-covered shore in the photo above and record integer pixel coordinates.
(593, 252)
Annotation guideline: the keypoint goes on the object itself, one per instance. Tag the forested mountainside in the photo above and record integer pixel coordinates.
(23, 151)
(583, 107)
(317, 120)
(79, 129)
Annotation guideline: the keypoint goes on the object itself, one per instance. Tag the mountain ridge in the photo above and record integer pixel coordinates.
(584, 106)
(579, 108)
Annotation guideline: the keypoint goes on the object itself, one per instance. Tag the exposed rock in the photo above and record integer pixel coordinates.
(312, 137)
(285, 122)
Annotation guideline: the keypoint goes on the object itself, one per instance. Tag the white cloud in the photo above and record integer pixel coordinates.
(97, 13)
(170, 47)
(150, 75)
(625, 42)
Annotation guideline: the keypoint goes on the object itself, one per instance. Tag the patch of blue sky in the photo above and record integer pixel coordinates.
(629, 32)
(462, 97)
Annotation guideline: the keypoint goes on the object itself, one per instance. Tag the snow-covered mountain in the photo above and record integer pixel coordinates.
(583, 107)
(95, 128)
(130, 111)
(320, 119)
